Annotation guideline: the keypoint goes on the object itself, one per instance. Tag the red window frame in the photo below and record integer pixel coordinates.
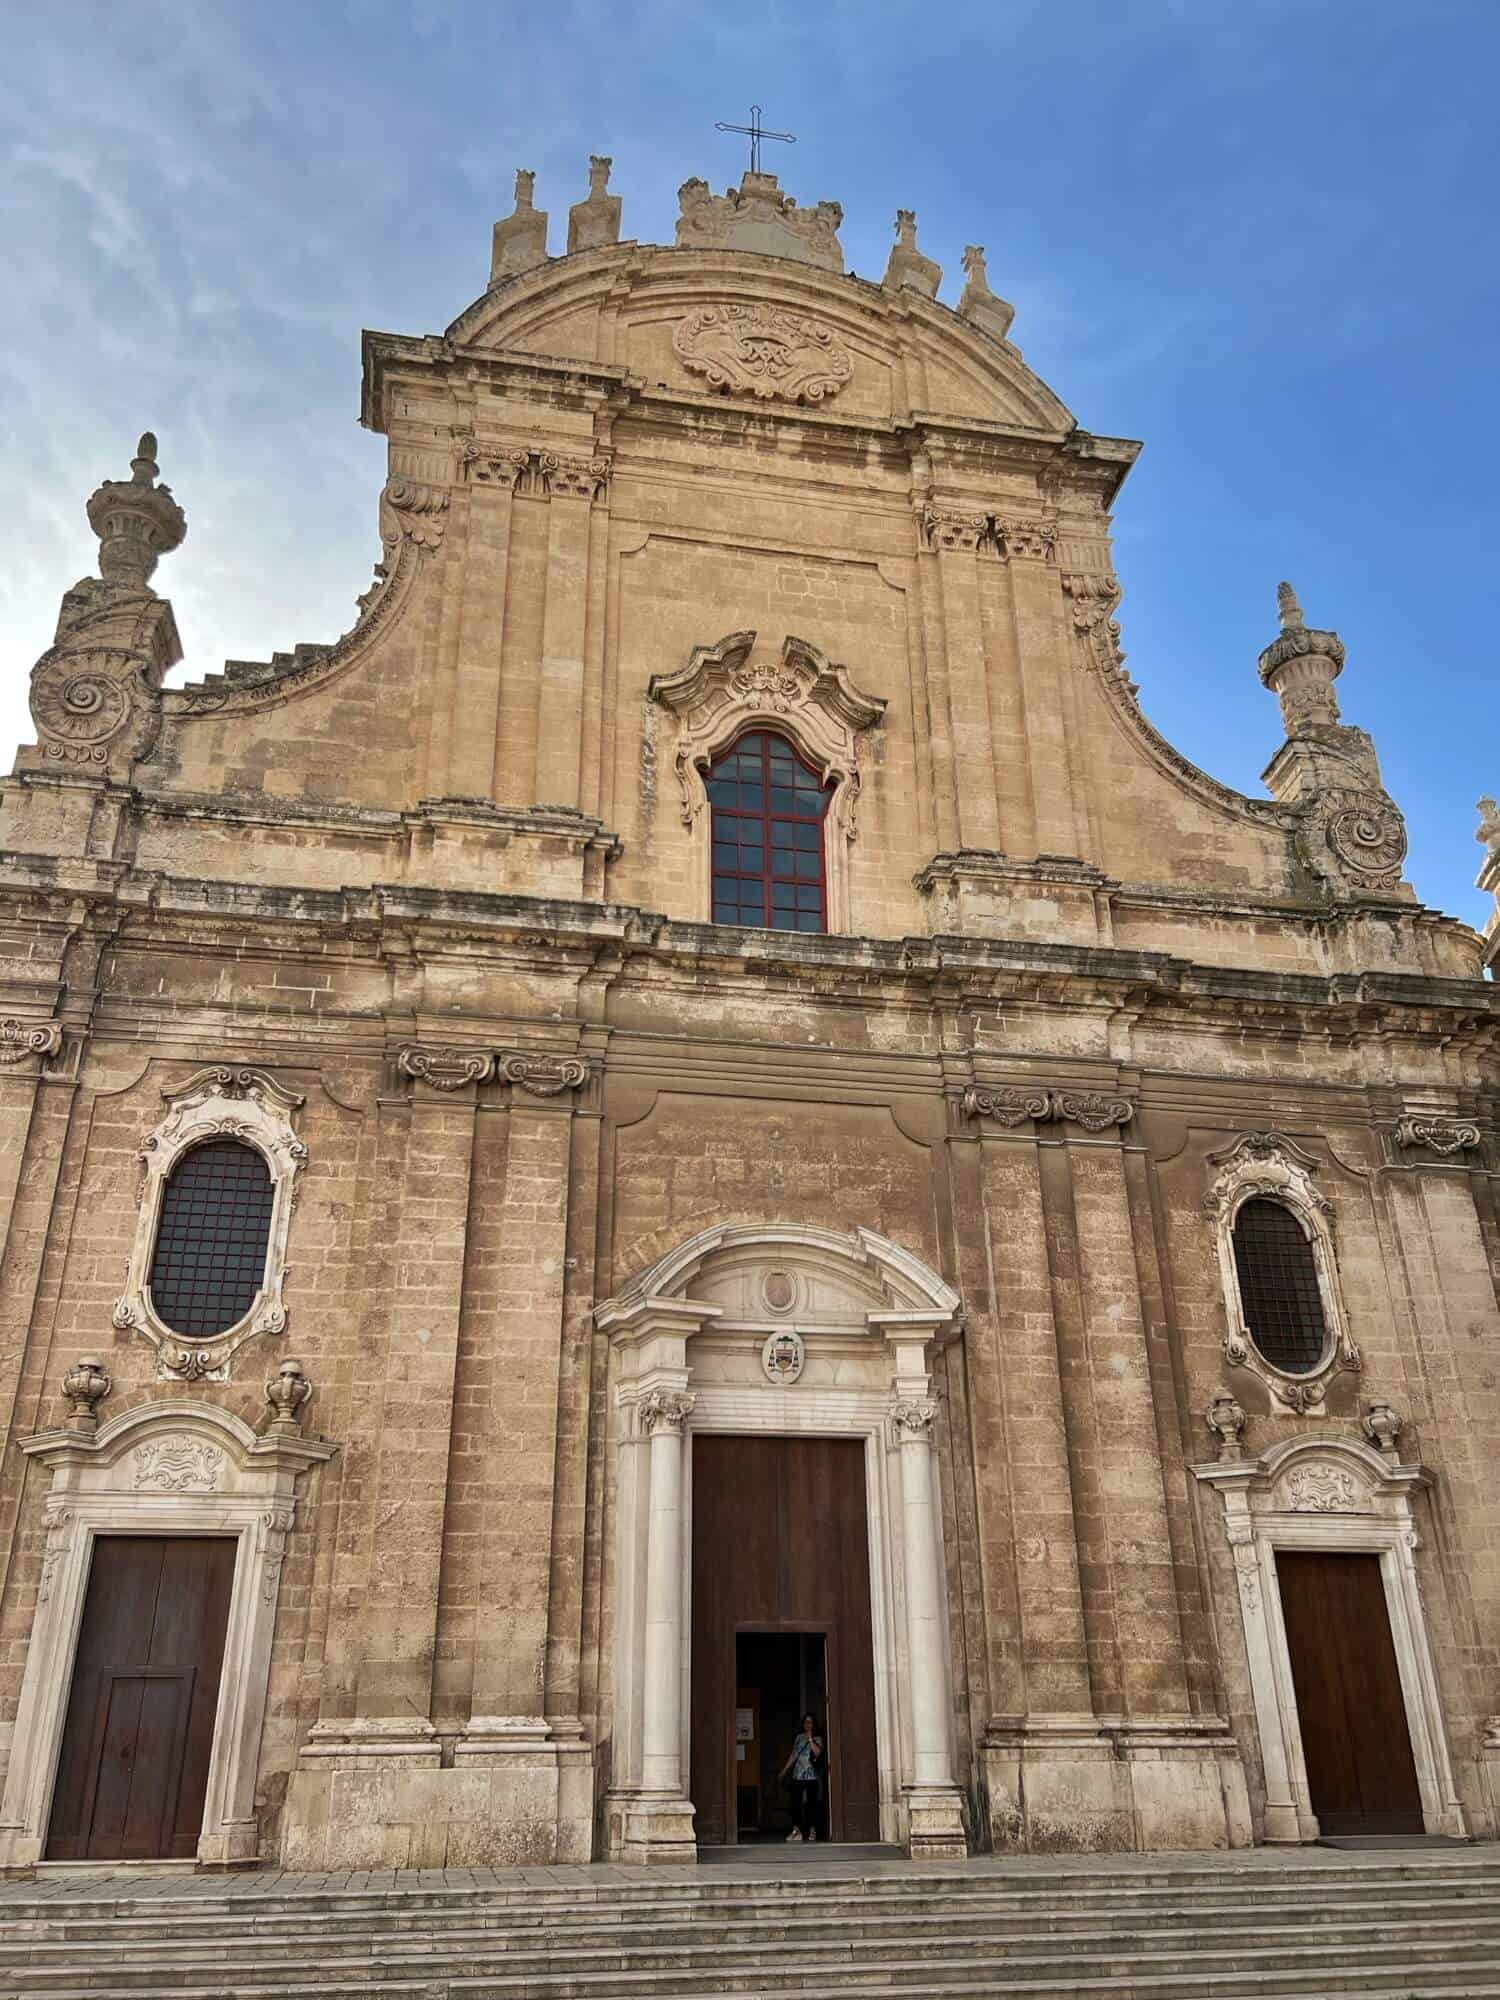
(767, 808)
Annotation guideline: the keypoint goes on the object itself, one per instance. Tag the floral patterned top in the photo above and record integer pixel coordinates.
(804, 1768)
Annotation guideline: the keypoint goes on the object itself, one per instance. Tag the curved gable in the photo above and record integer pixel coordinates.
(764, 329)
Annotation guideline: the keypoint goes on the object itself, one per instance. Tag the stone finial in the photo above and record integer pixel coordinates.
(594, 223)
(1300, 668)
(1382, 1426)
(1226, 1420)
(287, 1394)
(85, 1385)
(520, 239)
(979, 305)
(908, 270)
(136, 520)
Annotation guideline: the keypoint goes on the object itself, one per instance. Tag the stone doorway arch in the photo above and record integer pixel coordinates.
(789, 1329)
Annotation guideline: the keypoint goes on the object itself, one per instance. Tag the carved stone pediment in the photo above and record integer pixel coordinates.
(766, 351)
(757, 216)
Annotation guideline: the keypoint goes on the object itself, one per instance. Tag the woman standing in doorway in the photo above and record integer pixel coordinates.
(806, 1765)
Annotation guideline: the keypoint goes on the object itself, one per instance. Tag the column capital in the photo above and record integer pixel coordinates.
(666, 1410)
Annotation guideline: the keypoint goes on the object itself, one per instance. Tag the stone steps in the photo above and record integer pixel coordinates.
(1406, 1928)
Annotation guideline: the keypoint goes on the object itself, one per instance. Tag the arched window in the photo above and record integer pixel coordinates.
(1280, 1295)
(209, 1261)
(768, 810)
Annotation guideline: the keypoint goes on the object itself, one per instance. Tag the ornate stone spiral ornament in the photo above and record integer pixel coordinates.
(1369, 838)
(81, 713)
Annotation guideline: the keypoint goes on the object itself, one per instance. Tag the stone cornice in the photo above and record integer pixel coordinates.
(146, 908)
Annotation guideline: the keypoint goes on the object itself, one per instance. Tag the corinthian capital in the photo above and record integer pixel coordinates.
(913, 1417)
(665, 1409)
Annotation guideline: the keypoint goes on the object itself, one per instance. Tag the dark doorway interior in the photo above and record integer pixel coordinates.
(133, 1771)
(780, 1677)
(1355, 1741)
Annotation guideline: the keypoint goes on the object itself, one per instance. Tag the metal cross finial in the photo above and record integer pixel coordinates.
(755, 132)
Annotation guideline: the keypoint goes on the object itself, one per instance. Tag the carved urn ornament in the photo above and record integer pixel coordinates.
(287, 1392)
(1226, 1420)
(85, 1385)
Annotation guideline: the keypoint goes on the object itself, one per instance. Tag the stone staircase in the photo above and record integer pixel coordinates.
(1393, 1927)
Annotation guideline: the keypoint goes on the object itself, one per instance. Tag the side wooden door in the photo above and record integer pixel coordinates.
(781, 1542)
(1355, 1740)
(133, 1770)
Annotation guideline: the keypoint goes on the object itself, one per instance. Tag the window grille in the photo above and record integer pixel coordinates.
(768, 808)
(1279, 1291)
(210, 1256)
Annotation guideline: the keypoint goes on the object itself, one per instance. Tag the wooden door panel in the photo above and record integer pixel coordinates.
(1356, 1744)
(133, 1769)
(781, 1542)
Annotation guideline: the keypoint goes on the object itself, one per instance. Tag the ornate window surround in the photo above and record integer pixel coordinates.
(1337, 1495)
(1271, 1166)
(229, 1103)
(807, 698)
(168, 1468)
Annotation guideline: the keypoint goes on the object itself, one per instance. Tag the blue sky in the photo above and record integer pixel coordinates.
(1259, 236)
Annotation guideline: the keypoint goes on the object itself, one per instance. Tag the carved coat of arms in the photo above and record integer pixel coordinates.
(759, 350)
(783, 1356)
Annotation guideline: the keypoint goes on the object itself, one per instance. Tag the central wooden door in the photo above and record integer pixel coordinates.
(781, 1543)
(1355, 1742)
(133, 1771)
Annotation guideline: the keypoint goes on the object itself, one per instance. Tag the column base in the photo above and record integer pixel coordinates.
(651, 1830)
(1073, 1784)
(935, 1823)
(375, 1794)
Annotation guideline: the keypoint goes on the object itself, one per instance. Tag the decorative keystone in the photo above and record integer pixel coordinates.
(1300, 668)
(136, 520)
(1382, 1426)
(85, 1385)
(1226, 1420)
(287, 1392)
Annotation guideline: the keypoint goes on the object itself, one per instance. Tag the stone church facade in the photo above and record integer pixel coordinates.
(702, 1096)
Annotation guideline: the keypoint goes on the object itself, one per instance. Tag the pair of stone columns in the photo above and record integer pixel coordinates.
(660, 1823)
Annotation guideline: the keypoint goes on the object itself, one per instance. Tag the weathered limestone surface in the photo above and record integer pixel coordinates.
(446, 880)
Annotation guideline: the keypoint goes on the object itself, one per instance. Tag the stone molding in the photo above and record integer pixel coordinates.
(719, 694)
(231, 1103)
(20, 1040)
(1337, 1494)
(1012, 1105)
(764, 350)
(1271, 1166)
(538, 1072)
(165, 1468)
(1442, 1135)
(413, 519)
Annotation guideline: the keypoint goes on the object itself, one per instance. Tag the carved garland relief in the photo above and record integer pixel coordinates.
(764, 351)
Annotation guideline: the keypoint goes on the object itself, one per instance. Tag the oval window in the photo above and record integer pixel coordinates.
(211, 1238)
(1280, 1296)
